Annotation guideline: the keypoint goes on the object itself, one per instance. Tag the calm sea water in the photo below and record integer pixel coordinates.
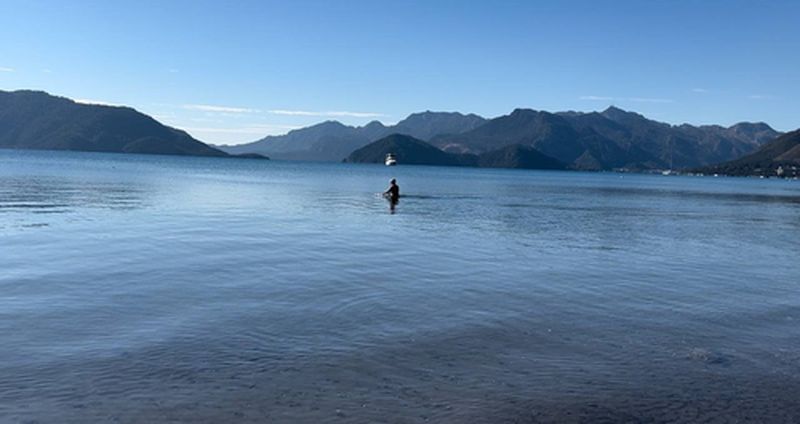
(141, 289)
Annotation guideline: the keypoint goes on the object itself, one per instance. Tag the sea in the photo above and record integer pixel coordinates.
(159, 289)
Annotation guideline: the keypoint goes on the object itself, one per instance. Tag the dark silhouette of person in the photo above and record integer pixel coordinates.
(393, 193)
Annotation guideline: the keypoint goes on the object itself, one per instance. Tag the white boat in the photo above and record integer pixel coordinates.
(391, 160)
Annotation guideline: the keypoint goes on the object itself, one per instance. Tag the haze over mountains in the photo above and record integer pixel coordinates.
(37, 120)
(611, 139)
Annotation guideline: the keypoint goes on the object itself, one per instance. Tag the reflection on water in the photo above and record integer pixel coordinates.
(163, 289)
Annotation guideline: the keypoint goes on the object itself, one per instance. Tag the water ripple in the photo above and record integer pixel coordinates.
(206, 290)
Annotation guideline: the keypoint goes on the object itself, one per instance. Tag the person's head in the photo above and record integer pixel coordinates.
(393, 182)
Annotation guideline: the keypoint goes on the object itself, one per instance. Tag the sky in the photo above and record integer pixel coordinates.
(230, 72)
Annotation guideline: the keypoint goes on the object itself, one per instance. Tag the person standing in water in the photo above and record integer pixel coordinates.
(393, 193)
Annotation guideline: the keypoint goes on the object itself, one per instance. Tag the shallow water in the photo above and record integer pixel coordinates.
(168, 289)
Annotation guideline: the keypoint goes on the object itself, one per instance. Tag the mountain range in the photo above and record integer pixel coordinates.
(333, 141)
(780, 157)
(611, 139)
(37, 120)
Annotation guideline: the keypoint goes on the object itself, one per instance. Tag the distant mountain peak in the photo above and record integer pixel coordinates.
(613, 138)
(623, 116)
(757, 126)
(426, 114)
(330, 123)
(617, 111)
(374, 124)
(614, 109)
(26, 92)
(429, 114)
(428, 124)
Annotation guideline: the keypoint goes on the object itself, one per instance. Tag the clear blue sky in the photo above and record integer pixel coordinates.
(234, 71)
